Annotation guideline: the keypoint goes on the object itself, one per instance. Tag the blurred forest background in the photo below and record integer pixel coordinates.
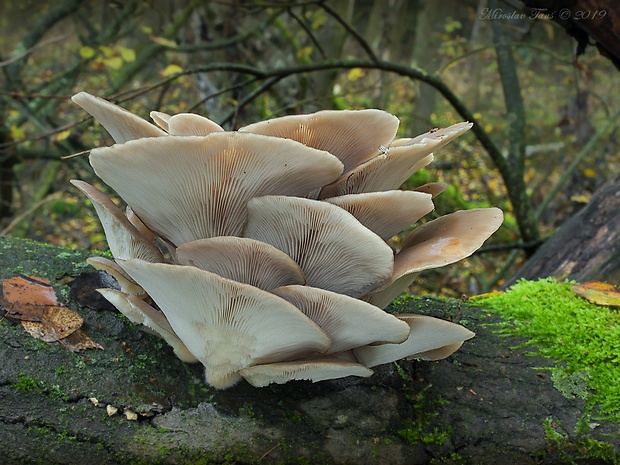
(544, 136)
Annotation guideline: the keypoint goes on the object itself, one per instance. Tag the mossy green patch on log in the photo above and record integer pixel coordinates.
(582, 337)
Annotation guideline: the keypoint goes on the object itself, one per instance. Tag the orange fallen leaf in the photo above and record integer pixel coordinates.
(32, 301)
(598, 293)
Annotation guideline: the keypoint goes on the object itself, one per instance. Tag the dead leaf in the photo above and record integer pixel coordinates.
(32, 301)
(598, 293)
(79, 341)
(55, 322)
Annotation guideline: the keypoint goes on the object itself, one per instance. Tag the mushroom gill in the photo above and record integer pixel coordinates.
(262, 253)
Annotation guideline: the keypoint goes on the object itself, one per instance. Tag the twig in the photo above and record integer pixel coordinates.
(32, 49)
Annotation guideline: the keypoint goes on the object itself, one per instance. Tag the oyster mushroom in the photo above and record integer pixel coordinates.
(437, 243)
(122, 125)
(190, 188)
(348, 322)
(225, 324)
(326, 241)
(312, 370)
(244, 260)
(354, 136)
(427, 334)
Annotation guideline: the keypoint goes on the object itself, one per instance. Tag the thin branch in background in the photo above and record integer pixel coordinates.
(270, 82)
(18, 219)
(360, 40)
(568, 172)
(309, 33)
(34, 48)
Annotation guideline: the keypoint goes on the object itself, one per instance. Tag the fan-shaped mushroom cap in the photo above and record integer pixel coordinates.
(120, 123)
(189, 188)
(437, 243)
(185, 124)
(140, 226)
(386, 213)
(138, 311)
(124, 239)
(312, 370)
(353, 136)
(383, 173)
(333, 249)
(227, 325)
(127, 285)
(391, 169)
(427, 334)
(348, 322)
(243, 260)
(432, 188)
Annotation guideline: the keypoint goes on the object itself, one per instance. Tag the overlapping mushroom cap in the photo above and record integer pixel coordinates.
(262, 252)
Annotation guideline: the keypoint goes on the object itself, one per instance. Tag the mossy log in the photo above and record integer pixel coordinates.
(486, 404)
(587, 245)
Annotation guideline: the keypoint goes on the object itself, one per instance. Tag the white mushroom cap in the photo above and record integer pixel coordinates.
(227, 325)
(189, 188)
(122, 125)
(427, 334)
(124, 239)
(354, 136)
(437, 243)
(128, 285)
(386, 213)
(138, 311)
(185, 124)
(333, 249)
(390, 170)
(313, 370)
(348, 322)
(243, 260)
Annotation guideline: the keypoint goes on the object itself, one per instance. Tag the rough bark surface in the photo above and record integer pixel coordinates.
(598, 20)
(586, 247)
(484, 405)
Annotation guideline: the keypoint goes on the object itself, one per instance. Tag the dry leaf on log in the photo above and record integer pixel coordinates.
(32, 301)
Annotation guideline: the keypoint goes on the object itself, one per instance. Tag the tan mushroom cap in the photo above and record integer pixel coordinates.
(386, 213)
(140, 226)
(185, 124)
(244, 260)
(354, 136)
(437, 243)
(122, 125)
(432, 188)
(227, 325)
(334, 250)
(124, 239)
(391, 169)
(189, 188)
(313, 370)
(127, 285)
(348, 322)
(427, 334)
(138, 311)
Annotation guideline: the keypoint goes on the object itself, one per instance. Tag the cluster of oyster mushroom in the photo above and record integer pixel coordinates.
(262, 252)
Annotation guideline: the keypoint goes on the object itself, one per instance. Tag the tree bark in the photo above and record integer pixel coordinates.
(483, 405)
(598, 20)
(586, 247)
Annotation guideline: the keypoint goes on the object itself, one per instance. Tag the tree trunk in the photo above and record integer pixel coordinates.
(586, 247)
(484, 405)
(598, 20)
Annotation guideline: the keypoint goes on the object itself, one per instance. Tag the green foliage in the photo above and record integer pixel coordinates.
(582, 337)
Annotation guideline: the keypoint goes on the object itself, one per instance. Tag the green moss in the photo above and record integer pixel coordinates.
(25, 383)
(579, 445)
(583, 338)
